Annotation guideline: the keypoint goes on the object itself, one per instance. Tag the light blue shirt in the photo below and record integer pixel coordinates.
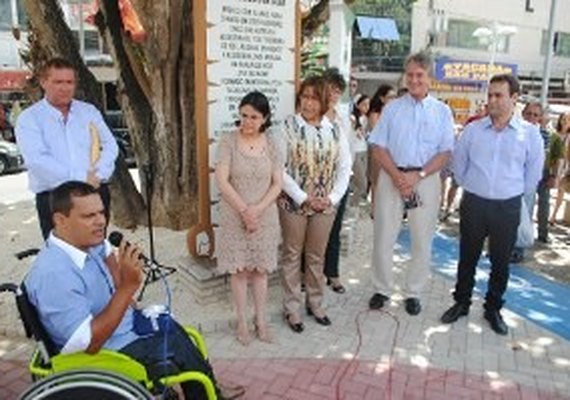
(70, 287)
(498, 165)
(57, 151)
(413, 131)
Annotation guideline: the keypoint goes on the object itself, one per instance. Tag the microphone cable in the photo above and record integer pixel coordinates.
(353, 359)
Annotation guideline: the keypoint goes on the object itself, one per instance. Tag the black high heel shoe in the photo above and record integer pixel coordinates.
(324, 320)
(336, 288)
(297, 327)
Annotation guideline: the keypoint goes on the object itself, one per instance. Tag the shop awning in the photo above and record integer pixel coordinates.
(377, 28)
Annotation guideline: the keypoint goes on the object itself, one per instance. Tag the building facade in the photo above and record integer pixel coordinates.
(505, 32)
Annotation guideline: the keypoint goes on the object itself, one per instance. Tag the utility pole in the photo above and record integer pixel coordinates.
(549, 53)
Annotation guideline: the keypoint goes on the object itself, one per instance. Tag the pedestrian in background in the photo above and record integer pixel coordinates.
(334, 87)
(384, 94)
(359, 138)
(562, 182)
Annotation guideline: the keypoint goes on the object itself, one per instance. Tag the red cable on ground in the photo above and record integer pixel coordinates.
(359, 344)
(391, 358)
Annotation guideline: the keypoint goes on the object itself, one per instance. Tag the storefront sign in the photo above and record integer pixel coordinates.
(461, 71)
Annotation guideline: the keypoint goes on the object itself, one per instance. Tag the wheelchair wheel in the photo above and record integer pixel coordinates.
(86, 385)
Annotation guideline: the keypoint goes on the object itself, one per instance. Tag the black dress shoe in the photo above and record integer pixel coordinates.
(413, 306)
(297, 327)
(496, 321)
(453, 314)
(377, 301)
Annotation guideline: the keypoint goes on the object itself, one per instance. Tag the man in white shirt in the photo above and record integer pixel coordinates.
(64, 139)
(411, 143)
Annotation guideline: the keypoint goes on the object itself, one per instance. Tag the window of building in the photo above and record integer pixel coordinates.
(6, 22)
(460, 34)
(561, 44)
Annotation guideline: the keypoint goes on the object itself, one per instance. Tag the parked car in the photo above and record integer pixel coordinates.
(10, 157)
(116, 123)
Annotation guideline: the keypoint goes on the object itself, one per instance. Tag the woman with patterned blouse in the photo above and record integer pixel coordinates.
(317, 172)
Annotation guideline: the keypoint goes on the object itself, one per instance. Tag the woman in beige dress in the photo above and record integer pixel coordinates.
(249, 175)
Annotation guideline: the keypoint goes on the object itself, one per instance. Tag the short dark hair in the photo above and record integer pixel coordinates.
(376, 103)
(259, 102)
(509, 79)
(332, 76)
(318, 85)
(56, 63)
(60, 198)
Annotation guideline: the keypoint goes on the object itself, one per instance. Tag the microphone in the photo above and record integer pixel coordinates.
(153, 270)
(116, 237)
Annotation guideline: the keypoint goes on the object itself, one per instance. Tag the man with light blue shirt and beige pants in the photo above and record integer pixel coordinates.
(497, 160)
(64, 139)
(411, 144)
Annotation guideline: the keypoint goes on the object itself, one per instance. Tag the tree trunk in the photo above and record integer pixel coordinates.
(157, 92)
(51, 37)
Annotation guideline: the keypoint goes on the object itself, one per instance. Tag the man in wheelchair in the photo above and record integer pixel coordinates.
(83, 293)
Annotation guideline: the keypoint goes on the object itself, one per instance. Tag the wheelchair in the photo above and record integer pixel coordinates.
(67, 371)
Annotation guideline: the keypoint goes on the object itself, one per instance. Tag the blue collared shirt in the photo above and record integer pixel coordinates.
(498, 165)
(413, 131)
(70, 287)
(56, 151)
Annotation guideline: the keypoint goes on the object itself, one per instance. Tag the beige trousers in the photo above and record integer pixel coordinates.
(388, 211)
(309, 234)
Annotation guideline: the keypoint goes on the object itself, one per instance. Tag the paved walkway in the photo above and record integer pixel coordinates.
(363, 355)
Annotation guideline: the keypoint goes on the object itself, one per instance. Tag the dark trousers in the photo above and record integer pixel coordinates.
(543, 210)
(44, 211)
(480, 218)
(333, 247)
(180, 355)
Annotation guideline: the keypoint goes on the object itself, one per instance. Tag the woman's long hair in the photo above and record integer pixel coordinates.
(356, 111)
(376, 103)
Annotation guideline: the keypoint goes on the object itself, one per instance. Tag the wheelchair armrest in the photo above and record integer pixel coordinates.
(198, 340)
(107, 360)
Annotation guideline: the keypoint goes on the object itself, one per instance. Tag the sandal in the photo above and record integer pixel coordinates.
(243, 337)
(264, 334)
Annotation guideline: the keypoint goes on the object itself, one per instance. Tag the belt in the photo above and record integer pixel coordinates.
(410, 169)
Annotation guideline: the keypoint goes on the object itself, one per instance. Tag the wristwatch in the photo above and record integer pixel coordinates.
(422, 174)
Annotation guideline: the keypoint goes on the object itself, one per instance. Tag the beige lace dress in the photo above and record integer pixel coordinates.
(250, 176)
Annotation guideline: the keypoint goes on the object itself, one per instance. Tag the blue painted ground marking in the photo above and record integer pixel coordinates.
(545, 302)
